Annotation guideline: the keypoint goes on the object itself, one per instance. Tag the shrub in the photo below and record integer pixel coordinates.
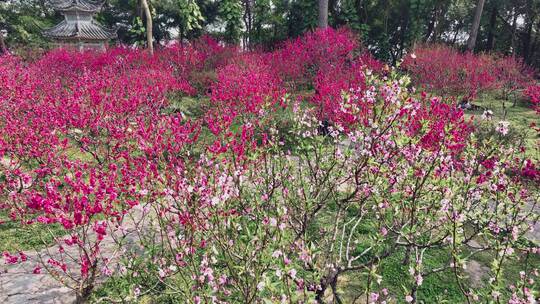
(76, 128)
(446, 71)
(452, 73)
(248, 85)
(331, 83)
(512, 74)
(297, 221)
(533, 94)
(214, 54)
(300, 60)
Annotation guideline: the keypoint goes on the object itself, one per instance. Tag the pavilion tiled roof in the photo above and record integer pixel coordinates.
(79, 24)
(77, 5)
(89, 30)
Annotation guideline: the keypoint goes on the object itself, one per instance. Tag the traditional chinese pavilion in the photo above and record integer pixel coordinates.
(79, 29)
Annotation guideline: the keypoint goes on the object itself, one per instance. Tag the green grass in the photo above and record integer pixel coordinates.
(518, 112)
(437, 288)
(512, 266)
(190, 107)
(17, 237)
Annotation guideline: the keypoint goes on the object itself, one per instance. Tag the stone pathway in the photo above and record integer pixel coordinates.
(19, 285)
(478, 272)
(535, 234)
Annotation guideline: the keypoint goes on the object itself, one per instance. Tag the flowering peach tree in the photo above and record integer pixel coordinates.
(270, 196)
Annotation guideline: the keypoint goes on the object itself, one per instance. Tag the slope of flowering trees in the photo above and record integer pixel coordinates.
(270, 196)
(449, 72)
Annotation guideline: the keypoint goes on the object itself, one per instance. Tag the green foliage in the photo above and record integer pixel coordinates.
(302, 17)
(186, 15)
(518, 113)
(190, 14)
(351, 17)
(23, 22)
(269, 23)
(138, 31)
(231, 14)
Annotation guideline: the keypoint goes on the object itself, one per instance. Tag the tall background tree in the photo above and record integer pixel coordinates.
(3, 48)
(149, 31)
(471, 42)
(230, 14)
(323, 13)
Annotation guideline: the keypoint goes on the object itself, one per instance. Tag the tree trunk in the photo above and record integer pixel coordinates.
(332, 8)
(323, 14)
(181, 35)
(139, 10)
(431, 24)
(527, 38)
(458, 28)
(3, 48)
(405, 24)
(531, 19)
(527, 44)
(532, 50)
(440, 18)
(329, 280)
(492, 24)
(361, 11)
(149, 34)
(514, 29)
(475, 25)
(248, 21)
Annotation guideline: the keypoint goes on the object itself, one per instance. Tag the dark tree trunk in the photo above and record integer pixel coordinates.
(139, 9)
(149, 31)
(329, 280)
(3, 47)
(528, 35)
(440, 18)
(181, 35)
(361, 11)
(514, 30)
(458, 28)
(248, 21)
(403, 35)
(323, 13)
(471, 43)
(492, 24)
(431, 24)
(532, 50)
(332, 8)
